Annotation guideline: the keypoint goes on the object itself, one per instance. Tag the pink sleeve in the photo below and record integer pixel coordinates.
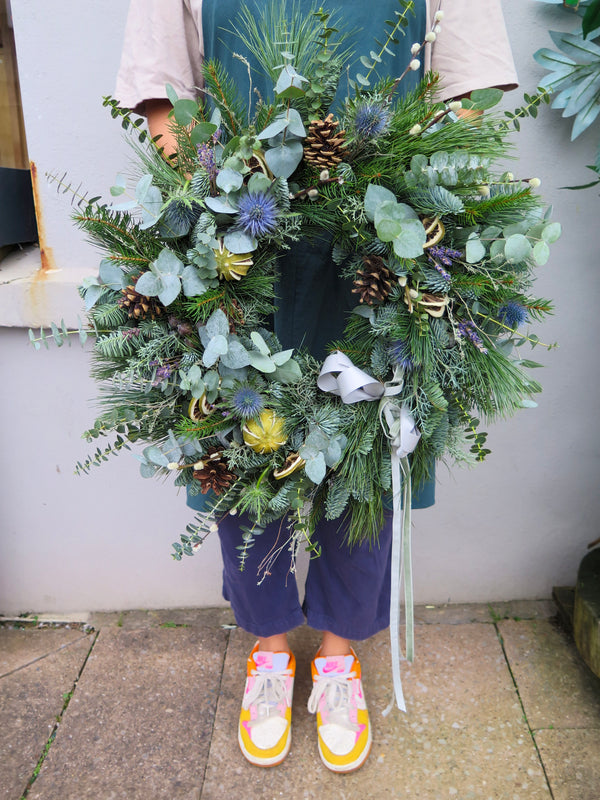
(472, 51)
(163, 44)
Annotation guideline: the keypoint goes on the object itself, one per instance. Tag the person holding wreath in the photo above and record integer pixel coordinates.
(347, 589)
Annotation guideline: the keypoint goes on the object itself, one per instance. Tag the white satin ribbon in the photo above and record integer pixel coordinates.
(404, 437)
(341, 377)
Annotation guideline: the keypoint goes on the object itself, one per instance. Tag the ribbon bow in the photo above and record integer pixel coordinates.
(341, 377)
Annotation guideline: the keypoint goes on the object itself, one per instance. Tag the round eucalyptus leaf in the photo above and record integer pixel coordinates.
(283, 160)
(374, 197)
(475, 249)
(552, 232)
(517, 248)
(228, 180)
(170, 286)
(541, 253)
(409, 244)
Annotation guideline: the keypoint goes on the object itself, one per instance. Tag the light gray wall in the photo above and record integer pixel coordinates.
(511, 528)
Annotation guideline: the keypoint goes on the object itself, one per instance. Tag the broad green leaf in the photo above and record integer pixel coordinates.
(315, 468)
(486, 98)
(296, 126)
(167, 263)
(388, 229)
(475, 250)
(192, 283)
(541, 253)
(239, 242)
(111, 275)
(260, 362)
(185, 111)
(259, 183)
(277, 126)
(228, 180)
(517, 248)
(409, 243)
(151, 207)
(148, 284)
(260, 343)
(170, 286)
(374, 197)
(202, 132)
(236, 356)
(279, 359)
(156, 456)
(221, 205)
(283, 160)
(215, 348)
(171, 94)
(289, 372)
(552, 232)
(217, 324)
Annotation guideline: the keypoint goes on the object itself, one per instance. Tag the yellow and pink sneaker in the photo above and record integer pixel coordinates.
(337, 698)
(265, 729)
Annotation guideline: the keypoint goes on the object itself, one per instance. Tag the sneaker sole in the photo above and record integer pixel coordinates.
(265, 762)
(353, 765)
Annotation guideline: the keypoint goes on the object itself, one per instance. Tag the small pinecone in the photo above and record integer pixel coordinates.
(138, 305)
(215, 473)
(324, 145)
(372, 282)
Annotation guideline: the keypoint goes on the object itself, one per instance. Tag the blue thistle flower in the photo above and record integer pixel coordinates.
(371, 120)
(258, 214)
(512, 314)
(401, 355)
(247, 402)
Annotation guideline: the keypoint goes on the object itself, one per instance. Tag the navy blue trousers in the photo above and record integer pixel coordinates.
(347, 590)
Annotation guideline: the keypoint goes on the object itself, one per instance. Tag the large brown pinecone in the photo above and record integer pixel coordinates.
(214, 473)
(373, 281)
(324, 145)
(138, 305)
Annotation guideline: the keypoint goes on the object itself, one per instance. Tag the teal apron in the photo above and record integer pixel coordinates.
(312, 300)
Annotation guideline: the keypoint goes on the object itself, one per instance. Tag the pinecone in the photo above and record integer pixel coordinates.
(214, 473)
(138, 305)
(324, 146)
(372, 282)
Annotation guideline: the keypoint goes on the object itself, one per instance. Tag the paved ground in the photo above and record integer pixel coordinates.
(143, 706)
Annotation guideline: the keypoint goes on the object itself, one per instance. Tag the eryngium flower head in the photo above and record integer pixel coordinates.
(371, 120)
(401, 354)
(257, 214)
(512, 314)
(247, 402)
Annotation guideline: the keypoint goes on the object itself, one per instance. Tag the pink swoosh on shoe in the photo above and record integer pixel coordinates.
(333, 666)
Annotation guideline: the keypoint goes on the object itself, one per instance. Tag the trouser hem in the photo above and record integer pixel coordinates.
(321, 622)
(270, 627)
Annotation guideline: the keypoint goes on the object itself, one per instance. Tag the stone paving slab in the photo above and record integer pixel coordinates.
(464, 736)
(163, 618)
(32, 696)
(462, 613)
(19, 647)
(572, 761)
(140, 721)
(556, 687)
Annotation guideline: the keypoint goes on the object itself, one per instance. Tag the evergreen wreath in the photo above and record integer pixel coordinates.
(441, 247)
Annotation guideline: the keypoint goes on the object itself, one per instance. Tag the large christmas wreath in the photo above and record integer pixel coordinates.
(439, 242)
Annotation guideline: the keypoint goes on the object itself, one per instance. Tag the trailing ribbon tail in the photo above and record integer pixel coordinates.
(341, 377)
(404, 437)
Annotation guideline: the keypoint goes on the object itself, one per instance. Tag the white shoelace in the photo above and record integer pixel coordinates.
(268, 691)
(337, 692)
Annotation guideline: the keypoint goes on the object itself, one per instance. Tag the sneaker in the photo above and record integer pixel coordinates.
(265, 729)
(337, 698)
